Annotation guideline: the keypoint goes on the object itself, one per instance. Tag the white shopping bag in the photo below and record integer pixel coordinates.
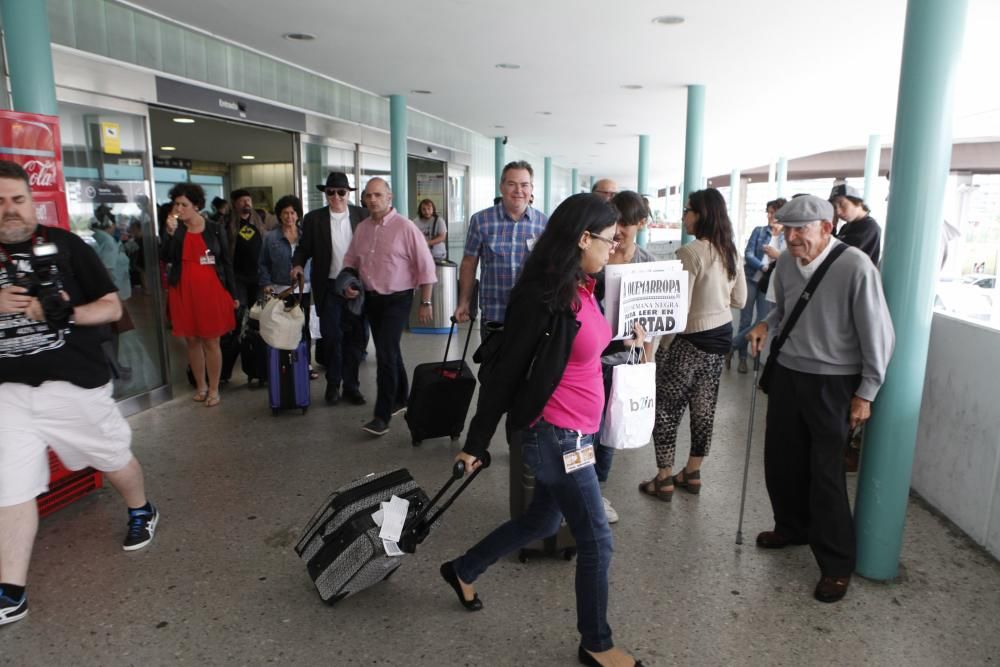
(631, 411)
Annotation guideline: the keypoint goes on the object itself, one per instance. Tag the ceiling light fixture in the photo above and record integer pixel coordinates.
(248, 157)
(544, 113)
(183, 120)
(499, 127)
(632, 86)
(299, 36)
(601, 143)
(168, 148)
(507, 66)
(611, 125)
(419, 91)
(668, 20)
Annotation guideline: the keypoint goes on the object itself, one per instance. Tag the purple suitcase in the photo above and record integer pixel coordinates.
(288, 378)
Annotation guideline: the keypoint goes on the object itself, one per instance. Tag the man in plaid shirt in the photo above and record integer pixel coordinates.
(502, 235)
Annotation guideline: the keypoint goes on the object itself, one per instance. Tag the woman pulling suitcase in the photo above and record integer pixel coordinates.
(546, 374)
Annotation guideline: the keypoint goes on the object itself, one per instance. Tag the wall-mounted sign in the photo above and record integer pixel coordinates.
(111, 139)
(171, 162)
(217, 103)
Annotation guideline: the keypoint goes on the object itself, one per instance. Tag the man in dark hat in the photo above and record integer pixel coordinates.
(326, 234)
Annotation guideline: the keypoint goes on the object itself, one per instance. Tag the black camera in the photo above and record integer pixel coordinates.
(45, 284)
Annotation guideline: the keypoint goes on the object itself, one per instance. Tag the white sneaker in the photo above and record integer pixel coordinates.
(610, 511)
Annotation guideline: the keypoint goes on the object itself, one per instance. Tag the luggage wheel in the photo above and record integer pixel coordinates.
(568, 553)
(304, 410)
(455, 436)
(522, 556)
(416, 442)
(275, 411)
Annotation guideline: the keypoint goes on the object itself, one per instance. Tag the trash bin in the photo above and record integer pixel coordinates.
(445, 299)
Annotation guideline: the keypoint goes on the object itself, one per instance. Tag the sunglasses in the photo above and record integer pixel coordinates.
(337, 192)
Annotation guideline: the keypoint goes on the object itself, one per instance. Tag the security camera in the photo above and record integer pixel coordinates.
(504, 142)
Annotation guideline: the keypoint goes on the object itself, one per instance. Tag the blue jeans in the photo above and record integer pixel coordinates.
(342, 341)
(755, 299)
(577, 496)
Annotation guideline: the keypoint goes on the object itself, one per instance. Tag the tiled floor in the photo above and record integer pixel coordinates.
(221, 585)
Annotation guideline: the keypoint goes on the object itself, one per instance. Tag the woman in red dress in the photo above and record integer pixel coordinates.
(200, 286)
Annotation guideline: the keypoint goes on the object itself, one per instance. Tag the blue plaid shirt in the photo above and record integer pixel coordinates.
(502, 244)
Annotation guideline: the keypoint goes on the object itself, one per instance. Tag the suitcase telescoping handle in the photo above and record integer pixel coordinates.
(417, 529)
(451, 332)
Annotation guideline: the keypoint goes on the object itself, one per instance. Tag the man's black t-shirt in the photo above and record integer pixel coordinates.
(246, 255)
(32, 352)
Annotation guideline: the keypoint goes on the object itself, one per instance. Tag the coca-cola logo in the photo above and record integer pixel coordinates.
(41, 173)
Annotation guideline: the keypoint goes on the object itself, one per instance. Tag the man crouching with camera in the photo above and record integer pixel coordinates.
(55, 384)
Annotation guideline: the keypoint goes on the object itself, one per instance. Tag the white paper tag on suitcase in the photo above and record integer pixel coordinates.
(377, 517)
(393, 518)
(391, 548)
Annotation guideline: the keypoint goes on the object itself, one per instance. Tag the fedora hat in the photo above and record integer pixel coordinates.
(336, 179)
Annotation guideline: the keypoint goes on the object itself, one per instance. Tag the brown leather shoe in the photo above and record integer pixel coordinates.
(771, 539)
(831, 589)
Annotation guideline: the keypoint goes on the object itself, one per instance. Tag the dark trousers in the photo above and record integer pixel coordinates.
(387, 314)
(807, 425)
(342, 341)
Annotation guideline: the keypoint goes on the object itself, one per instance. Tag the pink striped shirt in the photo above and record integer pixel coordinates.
(578, 401)
(390, 256)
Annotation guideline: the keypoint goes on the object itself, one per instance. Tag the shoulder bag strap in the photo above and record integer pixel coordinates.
(807, 293)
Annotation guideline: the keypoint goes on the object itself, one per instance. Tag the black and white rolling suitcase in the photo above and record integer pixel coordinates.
(341, 545)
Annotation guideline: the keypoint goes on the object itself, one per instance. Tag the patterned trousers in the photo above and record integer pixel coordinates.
(685, 376)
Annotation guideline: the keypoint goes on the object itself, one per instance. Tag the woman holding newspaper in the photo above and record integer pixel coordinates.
(546, 375)
(688, 370)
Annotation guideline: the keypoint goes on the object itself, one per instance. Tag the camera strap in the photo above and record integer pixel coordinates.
(38, 237)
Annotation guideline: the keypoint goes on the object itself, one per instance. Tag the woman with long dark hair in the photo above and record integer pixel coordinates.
(201, 286)
(688, 371)
(546, 375)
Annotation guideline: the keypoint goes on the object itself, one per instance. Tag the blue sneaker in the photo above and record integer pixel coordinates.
(141, 528)
(12, 610)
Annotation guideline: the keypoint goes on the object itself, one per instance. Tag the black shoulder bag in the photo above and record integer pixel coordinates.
(800, 305)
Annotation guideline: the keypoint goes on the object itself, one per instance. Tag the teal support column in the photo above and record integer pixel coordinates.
(642, 239)
(694, 146)
(593, 179)
(872, 159)
(574, 179)
(29, 55)
(397, 139)
(547, 195)
(921, 153)
(499, 159)
(782, 176)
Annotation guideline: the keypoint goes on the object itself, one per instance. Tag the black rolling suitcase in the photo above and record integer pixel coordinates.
(253, 353)
(341, 545)
(440, 395)
(522, 485)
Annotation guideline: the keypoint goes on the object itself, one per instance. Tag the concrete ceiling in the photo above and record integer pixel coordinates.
(783, 77)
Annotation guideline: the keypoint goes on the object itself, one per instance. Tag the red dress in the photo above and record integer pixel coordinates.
(199, 304)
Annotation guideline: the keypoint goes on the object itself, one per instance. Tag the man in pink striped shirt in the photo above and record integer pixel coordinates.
(392, 259)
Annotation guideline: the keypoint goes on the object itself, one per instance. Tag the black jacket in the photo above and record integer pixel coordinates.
(863, 234)
(317, 245)
(172, 251)
(526, 367)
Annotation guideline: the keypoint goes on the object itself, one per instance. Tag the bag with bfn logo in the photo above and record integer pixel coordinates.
(631, 411)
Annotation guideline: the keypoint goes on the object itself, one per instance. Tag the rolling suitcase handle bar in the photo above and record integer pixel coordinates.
(451, 332)
(417, 529)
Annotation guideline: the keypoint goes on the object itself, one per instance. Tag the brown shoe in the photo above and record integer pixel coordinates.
(831, 589)
(772, 539)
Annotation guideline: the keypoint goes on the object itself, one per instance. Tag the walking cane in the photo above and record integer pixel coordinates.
(746, 463)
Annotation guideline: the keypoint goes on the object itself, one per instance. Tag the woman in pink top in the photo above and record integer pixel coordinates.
(546, 374)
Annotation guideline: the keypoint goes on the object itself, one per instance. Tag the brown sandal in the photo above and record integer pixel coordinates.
(200, 396)
(659, 489)
(212, 400)
(685, 481)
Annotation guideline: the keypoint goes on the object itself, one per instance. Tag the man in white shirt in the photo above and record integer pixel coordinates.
(326, 234)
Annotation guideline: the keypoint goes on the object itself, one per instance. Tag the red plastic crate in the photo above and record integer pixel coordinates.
(70, 488)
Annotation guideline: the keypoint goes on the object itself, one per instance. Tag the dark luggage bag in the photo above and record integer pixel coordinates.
(522, 485)
(440, 395)
(341, 545)
(253, 352)
(288, 378)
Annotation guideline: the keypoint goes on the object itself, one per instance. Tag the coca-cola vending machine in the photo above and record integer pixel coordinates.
(32, 141)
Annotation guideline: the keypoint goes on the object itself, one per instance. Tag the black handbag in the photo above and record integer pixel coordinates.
(772, 359)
